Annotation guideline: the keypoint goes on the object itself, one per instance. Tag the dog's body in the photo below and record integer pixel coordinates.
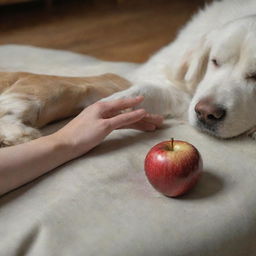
(209, 70)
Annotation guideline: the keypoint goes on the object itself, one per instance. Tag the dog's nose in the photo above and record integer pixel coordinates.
(209, 113)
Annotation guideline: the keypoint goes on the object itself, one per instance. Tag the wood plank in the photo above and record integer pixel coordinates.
(13, 1)
(128, 31)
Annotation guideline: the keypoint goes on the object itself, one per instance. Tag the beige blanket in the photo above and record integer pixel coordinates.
(102, 203)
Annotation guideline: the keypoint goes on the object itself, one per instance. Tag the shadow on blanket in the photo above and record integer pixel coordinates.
(209, 185)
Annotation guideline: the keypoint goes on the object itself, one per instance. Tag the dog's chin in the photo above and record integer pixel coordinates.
(219, 130)
(214, 131)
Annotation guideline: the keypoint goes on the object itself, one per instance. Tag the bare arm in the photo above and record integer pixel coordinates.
(25, 162)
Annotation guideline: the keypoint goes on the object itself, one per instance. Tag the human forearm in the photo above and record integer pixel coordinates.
(23, 163)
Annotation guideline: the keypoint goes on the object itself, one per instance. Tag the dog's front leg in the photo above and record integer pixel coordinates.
(163, 100)
(29, 101)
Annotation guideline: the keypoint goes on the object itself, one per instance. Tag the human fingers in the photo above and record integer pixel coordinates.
(148, 123)
(112, 108)
(126, 119)
(141, 126)
(154, 119)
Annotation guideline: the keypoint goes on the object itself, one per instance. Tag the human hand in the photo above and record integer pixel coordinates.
(95, 122)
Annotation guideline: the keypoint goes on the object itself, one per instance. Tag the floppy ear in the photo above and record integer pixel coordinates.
(193, 66)
(198, 64)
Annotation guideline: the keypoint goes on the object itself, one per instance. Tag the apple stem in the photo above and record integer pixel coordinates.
(172, 144)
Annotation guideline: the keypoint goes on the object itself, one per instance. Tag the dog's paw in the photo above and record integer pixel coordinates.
(16, 133)
(129, 93)
(156, 100)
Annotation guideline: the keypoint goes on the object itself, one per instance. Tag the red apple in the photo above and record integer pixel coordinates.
(173, 167)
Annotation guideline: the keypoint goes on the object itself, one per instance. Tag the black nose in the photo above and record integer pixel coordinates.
(209, 113)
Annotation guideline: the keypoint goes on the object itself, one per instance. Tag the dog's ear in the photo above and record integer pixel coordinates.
(193, 66)
(198, 63)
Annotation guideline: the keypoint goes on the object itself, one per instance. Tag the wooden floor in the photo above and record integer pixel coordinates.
(119, 30)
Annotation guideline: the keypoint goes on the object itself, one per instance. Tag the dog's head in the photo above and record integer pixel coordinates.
(224, 68)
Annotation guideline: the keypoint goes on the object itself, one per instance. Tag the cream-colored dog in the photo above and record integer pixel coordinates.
(208, 72)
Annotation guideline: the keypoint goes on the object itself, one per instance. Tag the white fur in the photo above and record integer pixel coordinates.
(16, 111)
(224, 30)
(18, 105)
(180, 74)
(13, 131)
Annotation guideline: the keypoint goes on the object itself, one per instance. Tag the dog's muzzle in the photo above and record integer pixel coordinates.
(209, 114)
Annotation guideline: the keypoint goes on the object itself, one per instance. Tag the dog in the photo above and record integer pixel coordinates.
(206, 75)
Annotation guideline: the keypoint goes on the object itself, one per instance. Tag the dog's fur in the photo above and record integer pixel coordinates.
(213, 57)
(29, 101)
